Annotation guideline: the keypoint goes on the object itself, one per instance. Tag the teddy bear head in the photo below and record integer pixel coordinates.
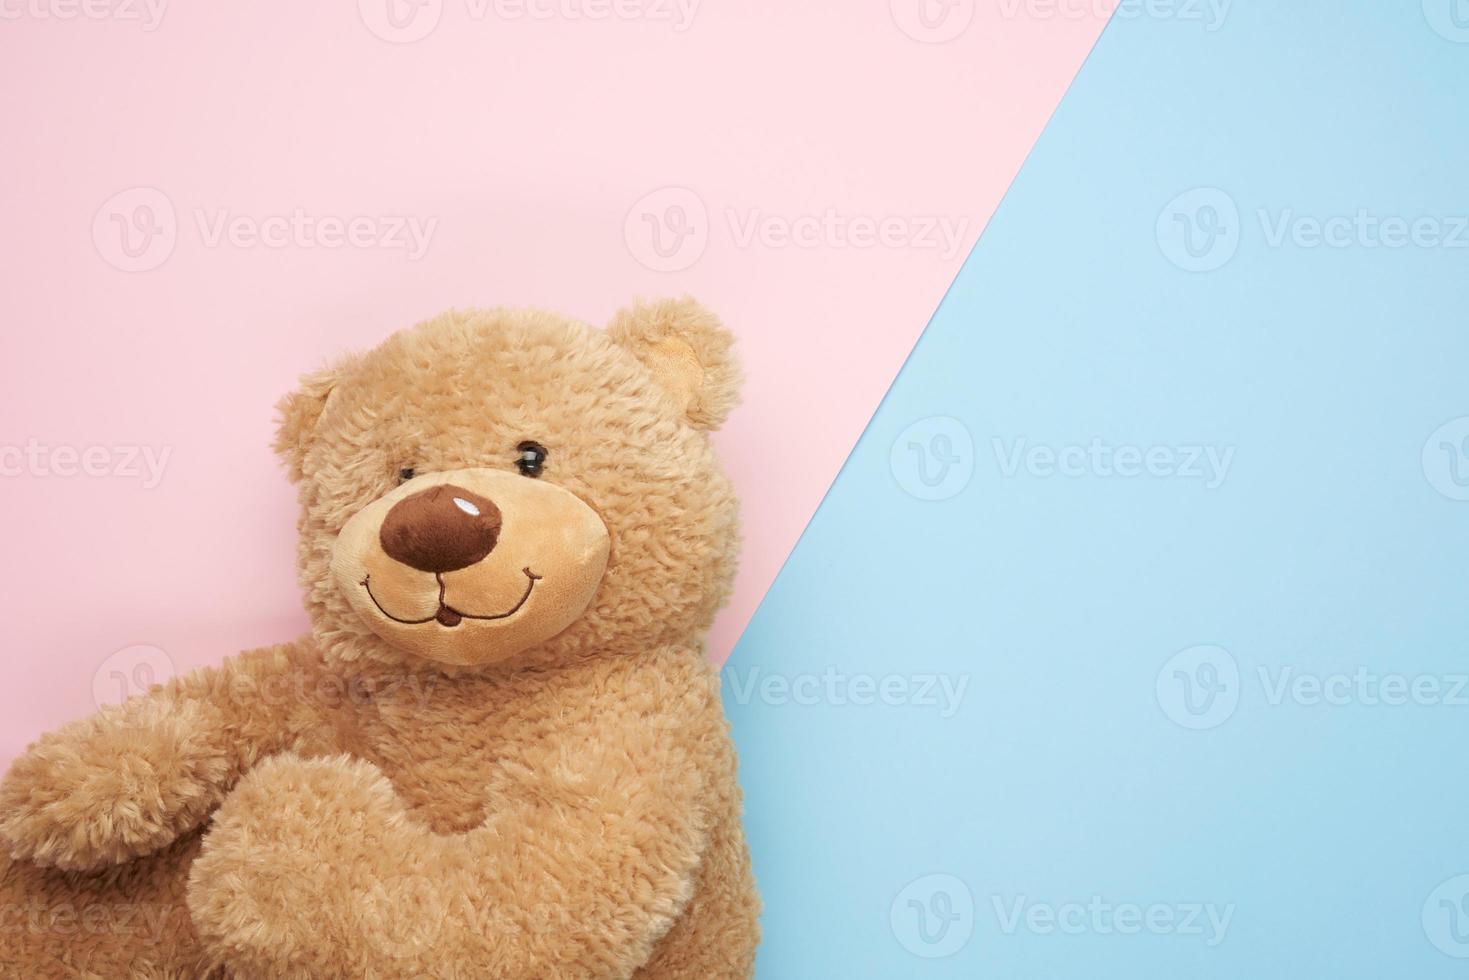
(512, 486)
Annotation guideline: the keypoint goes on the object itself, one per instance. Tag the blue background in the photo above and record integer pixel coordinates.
(1062, 776)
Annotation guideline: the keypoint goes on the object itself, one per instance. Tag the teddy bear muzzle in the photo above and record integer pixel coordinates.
(449, 566)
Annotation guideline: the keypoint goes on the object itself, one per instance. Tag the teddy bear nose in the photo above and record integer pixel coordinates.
(441, 529)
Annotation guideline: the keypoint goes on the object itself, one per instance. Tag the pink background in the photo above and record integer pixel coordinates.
(530, 141)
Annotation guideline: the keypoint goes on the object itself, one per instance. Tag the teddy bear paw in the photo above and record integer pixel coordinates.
(120, 784)
(282, 854)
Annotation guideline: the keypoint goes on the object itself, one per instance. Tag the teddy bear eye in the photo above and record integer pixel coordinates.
(406, 473)
(531, 459)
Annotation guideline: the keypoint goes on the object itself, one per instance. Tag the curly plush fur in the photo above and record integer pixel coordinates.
(335, 807)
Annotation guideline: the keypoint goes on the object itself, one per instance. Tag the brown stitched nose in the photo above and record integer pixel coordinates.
(440, 529)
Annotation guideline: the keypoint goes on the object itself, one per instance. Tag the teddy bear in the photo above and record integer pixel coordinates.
(500, 752)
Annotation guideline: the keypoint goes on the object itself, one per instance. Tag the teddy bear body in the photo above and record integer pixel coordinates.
(501, 751)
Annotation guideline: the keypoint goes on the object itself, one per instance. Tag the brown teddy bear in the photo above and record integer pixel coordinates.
(499, 753)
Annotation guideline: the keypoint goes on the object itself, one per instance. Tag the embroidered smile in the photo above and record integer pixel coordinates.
(447, 615)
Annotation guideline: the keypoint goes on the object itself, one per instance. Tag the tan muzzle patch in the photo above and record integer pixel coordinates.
(471, 566)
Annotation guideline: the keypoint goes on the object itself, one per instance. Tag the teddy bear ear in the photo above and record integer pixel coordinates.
(689, 353)
(297, 415)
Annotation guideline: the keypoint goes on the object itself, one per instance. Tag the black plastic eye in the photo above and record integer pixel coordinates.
(531, 459)
(405, 474)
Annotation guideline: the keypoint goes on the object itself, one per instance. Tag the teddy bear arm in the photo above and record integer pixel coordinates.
(590, 853)
(132, 778)
(262, 702)
(589, 865)
(595, 835)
